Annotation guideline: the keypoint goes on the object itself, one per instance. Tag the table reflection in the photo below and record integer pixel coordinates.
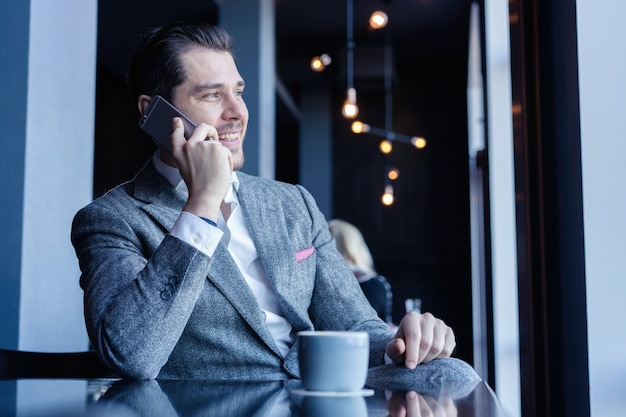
(396, 392)
(195, 398)
(276, 399)
(333, 406)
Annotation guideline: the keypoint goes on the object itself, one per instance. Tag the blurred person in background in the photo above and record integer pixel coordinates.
(352, 246)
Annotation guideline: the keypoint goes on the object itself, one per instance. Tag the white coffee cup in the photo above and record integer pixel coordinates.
(333, 360)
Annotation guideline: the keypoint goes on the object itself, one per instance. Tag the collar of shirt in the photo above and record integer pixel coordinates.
(172, 175)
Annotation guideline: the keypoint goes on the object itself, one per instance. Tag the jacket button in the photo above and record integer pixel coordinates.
(165, 295)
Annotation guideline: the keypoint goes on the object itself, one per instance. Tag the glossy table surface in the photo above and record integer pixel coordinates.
(154, 398)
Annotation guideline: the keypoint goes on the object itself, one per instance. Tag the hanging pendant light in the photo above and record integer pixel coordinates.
(350, 109)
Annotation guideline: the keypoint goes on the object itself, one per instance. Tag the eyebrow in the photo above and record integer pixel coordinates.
(216, 86)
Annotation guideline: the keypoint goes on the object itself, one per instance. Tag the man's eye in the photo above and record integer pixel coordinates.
(239, 92)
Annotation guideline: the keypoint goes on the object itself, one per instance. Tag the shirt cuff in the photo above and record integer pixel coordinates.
(193, 230)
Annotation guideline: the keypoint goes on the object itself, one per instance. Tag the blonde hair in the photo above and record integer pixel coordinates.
(351, 244)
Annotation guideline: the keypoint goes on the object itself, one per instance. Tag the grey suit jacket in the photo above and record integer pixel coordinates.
(155, 307)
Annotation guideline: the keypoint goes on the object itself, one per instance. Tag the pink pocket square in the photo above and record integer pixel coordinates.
(304, 253)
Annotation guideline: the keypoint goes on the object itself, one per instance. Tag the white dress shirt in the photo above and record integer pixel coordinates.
(234, 233)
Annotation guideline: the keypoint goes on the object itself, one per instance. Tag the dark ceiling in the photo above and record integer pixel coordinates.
(418, 29)
(121, 21)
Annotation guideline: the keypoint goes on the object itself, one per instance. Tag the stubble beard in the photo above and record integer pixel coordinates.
(239, 161)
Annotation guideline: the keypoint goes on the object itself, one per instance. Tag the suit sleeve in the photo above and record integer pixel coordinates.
(138, 297)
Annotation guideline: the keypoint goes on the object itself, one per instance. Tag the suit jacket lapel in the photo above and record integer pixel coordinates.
(259, 207)
(271, 238)
(163, 202)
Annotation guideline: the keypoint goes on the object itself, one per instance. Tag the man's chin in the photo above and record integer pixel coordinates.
(238, 162)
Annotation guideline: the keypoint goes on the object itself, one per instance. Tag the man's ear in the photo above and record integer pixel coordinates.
(143, 101)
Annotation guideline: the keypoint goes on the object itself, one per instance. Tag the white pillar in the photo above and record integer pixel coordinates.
(254, 33)
(502, 190)
(50, 172)
(602, 65)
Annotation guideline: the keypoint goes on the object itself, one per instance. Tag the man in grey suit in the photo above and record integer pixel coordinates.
(196, 270)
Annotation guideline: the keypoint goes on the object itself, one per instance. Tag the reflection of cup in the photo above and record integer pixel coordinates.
(333, 360)
(333, 406)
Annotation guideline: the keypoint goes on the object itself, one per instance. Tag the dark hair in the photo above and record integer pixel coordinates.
(156, 67)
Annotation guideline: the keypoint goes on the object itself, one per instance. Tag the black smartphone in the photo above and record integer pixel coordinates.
(157, 121)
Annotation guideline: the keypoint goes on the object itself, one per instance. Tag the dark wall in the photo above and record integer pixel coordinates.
(121, 148)
(422, 242)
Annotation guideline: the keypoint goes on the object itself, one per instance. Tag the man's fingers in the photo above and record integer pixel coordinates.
(433, 346)
(230, 158)
(439, 344)
(424, 338)
(178, 133)
(450, 344)
(203, 132)
(395, 349)
(426, 342)
(413, 336)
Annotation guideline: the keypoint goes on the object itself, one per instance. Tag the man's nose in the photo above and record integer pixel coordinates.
(235, 107)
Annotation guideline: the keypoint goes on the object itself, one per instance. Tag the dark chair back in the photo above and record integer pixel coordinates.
(23, 364)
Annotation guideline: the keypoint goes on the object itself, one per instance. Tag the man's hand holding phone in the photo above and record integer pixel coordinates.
(205, 166)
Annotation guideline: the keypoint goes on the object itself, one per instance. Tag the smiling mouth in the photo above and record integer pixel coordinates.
(228, 137)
